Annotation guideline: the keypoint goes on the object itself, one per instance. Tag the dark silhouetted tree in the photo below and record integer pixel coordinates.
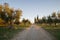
(49, 20)
(44, 19)
(54, 18)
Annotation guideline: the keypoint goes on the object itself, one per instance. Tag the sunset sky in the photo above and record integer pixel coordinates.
(32, 8)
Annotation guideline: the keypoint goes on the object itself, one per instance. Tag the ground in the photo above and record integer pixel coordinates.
(34, 33)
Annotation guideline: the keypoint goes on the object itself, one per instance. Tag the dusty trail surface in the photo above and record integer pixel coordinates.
(34, 33)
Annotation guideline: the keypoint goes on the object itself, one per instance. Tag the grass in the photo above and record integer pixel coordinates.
(7, 34)
(55, 31)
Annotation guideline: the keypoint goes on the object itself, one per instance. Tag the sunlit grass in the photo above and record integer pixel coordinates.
(7, 34)
(55, 31)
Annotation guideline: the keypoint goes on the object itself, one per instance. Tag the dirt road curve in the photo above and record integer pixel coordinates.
(34, 33)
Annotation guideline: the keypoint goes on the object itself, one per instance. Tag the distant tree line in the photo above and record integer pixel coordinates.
(54, 18)
(26, 21)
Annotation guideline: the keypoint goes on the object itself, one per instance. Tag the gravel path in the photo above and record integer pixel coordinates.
(33, 33)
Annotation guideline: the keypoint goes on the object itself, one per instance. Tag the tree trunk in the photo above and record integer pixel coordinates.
(55, 24)
(10, 24)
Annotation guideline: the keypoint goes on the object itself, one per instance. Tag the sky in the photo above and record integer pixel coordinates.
(32, 8)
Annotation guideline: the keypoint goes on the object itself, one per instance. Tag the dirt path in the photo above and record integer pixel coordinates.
(34, 33)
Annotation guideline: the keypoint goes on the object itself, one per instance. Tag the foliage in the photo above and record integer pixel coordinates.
(49, 20)
(9, 15)
(54, 18)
